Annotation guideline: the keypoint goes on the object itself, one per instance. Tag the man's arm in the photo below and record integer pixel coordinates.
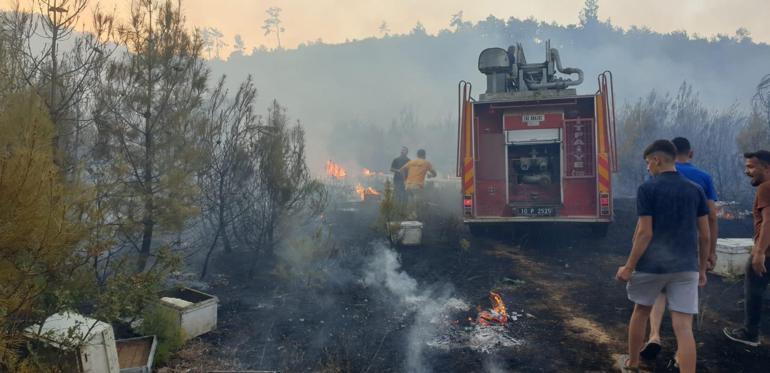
(393, 167)
(642, 239)
(760, 247)
(704, 247)
(431, 171)
(713, 234)
(404, 168)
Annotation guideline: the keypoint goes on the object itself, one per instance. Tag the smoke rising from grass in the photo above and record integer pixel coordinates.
(428, 305)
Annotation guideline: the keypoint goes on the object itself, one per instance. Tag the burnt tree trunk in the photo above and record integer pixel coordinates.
(221, 228)
(205, 268)
(148, 222)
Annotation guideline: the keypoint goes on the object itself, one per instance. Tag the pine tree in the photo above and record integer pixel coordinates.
(39, 232)
(150, 125)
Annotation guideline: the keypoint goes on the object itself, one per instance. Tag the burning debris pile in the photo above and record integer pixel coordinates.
(497, 314)
(364, 188)
(731, 210)
(489, 331)
(335, 171)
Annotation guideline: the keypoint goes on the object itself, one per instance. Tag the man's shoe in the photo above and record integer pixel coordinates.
(741, 335)
(650, 350)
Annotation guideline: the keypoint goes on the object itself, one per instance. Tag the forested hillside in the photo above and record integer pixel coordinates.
(411, 80)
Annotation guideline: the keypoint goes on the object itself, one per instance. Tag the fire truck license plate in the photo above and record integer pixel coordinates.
(535, 211)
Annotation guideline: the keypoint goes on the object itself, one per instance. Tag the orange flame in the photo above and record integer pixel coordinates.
(336, 171)
(372, 192)
(498, 313)
(362, 192)
(368, 172)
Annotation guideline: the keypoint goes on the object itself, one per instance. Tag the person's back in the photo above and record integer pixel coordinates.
(675, 203)
(416, 171)
(668, 254)
(698, 176)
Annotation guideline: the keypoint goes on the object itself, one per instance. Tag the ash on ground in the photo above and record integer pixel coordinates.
(480, 338)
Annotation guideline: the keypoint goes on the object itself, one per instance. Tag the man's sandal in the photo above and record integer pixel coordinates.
(628, 368)
(673, 363)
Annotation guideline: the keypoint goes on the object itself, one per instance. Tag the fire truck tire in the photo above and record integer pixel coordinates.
(599, 230)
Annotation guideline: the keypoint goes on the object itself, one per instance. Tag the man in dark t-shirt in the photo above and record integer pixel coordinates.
(684, 155)
(669, 252)
(756, 276)
(399, 190)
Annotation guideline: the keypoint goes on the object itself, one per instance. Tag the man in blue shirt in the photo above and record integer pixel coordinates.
(669, 253)
(684, 155)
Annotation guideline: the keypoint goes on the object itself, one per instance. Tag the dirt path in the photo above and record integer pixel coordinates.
(558, 293)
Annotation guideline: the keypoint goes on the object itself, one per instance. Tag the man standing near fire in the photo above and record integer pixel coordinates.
(756, 277)
(415, 171)
(399, 190)
(669, 252)
(684, 155)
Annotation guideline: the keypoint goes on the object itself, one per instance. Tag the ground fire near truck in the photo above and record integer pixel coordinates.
(530, 149)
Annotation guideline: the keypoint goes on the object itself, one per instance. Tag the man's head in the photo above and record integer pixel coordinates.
(683, 148)
(421, 154)
(404, 151)
(758, 166)
(660, 156)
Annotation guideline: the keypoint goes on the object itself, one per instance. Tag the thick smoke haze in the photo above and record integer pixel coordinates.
(373, 81)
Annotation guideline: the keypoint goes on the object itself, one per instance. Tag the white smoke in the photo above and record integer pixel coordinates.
(429, 305)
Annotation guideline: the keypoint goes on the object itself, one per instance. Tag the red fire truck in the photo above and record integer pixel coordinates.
(530, 149)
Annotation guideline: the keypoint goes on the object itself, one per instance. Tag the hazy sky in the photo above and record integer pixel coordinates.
(336, 20)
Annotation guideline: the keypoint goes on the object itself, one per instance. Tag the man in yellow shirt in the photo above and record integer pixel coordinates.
(416, 170)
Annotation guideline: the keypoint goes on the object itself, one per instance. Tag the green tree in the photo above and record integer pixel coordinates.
(272, 24)
(285, 188)
(458, 23)
(589, 15)
(285, 178)
(384, 29)
(638, 125)
(755, 135)
(150, 124)
(239, 47)
(234, 130)
(65, 68)
(39, 231)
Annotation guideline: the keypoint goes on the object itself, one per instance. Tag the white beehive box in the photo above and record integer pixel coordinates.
(407, 233)
(732, 255)
(87, 344)
(195, 310)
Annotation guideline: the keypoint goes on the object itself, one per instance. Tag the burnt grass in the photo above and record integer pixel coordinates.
(559, 278)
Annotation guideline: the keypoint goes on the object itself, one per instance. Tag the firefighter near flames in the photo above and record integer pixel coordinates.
(530, 149)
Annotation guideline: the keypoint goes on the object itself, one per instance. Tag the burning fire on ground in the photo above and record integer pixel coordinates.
(497, 314)
(365, 192)
(491, 330)
(336, 171)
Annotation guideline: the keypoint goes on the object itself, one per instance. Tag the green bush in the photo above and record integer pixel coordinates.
(390, 211)
(164, 324)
